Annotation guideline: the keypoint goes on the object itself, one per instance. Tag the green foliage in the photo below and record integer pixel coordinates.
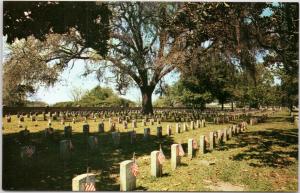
(35, 104)
(261, 92)
(282, 42)
(212, 74)
(64, 104)
(179, 95)
(97, 97)
(23, 19)
(102, 97)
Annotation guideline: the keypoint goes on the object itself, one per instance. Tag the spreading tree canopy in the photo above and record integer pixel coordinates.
(139, 43)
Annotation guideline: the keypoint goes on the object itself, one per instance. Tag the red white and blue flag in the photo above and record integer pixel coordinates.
(28, 151)
(134, 167)
(89, 187)
(181, 152)
(195, 145)
(161, 157)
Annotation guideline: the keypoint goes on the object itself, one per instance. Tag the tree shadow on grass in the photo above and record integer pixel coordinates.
(47, 171)
(271, 147)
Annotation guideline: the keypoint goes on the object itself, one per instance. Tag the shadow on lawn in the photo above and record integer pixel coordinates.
(46, 171)
(271, 147)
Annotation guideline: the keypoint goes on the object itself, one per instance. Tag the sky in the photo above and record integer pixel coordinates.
(71, 78)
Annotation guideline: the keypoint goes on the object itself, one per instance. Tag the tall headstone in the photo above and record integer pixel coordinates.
(49, 133)
(212, 140)
(132, 137)
(229, 132)
(116, 138)
(151, 122)
(125, 124)
(8, 118)
(156, 167)
(65, 147)
(238, 129)
(33, 118)
(159, 131)
(101, 127)
(192, 125)
(191, 151)
(68, 131)
(144, 122)
(112, 127)
(134, 125)
(177, 128)
(202, 149)
(220, 136)
(198, 124)
(44, 116)
(184, 127)
(251, 122)
(158, 121)
(233, 129)
(175, 158)
(169, 131)
(225, 138)
(93, 142)
(127, 179)
(109, 123)
(119, 120)
(86, 128)
(202, 123)
(146, 133)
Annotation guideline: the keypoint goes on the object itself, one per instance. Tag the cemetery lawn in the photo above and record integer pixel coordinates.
(263, 158)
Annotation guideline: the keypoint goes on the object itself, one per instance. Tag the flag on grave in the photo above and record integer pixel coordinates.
(206, 141)
(28, 151)
(181, 152)
(134, 167)
(195, 145)
(89, 187)
(161, 157)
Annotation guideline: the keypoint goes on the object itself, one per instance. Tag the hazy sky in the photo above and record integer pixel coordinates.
(71, 78)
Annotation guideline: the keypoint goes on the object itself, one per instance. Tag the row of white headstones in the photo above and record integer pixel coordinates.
(128, 179)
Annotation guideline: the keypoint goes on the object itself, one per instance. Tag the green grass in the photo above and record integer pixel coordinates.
(263, 158)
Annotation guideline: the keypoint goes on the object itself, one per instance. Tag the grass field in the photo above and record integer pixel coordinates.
(263, 158)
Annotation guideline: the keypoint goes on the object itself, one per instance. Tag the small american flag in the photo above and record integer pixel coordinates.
(28, 151)
(206, 141)
(89, 187)
(181, 152)
(161, 157)
(195, 145)
(134, 167)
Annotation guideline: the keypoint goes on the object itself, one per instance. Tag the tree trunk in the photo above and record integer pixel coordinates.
(147, 100)
(222, 105)
(232, 106)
